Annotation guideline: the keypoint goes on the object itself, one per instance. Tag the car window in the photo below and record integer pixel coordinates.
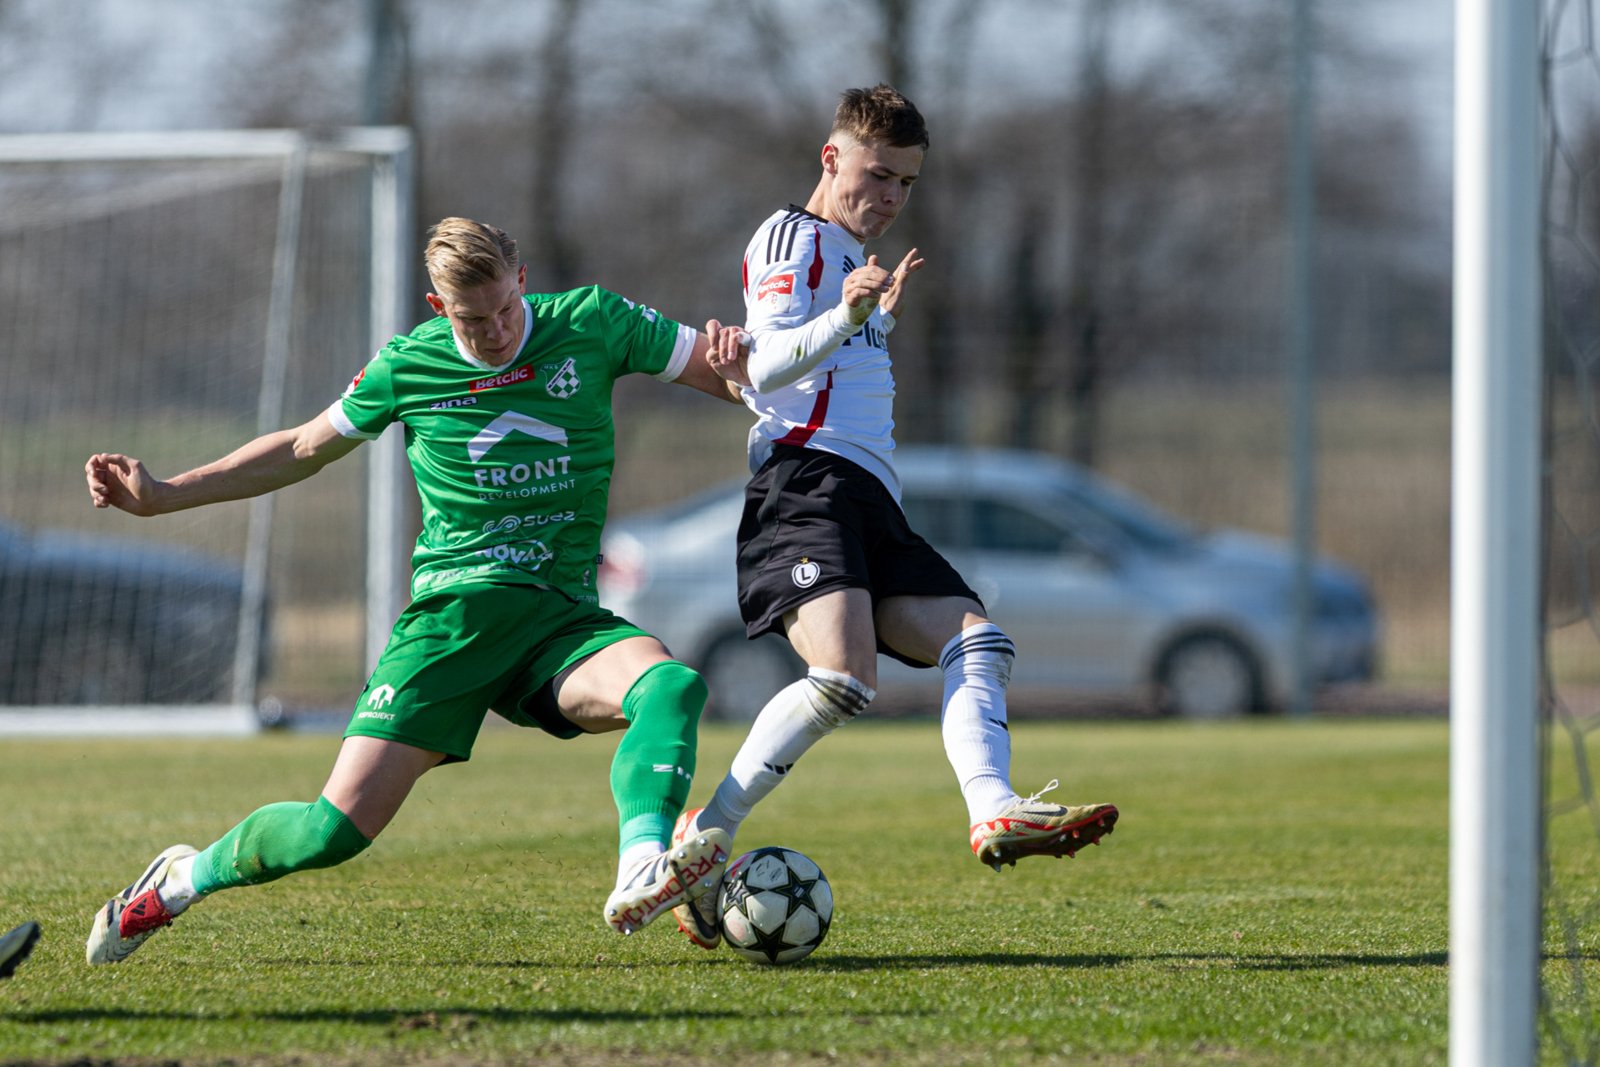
(1111, 515)
(984, 524)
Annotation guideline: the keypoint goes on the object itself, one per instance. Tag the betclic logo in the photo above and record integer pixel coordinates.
(510, 377)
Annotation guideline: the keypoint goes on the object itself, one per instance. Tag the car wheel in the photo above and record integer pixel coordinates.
(743, 674)
(1208, 676)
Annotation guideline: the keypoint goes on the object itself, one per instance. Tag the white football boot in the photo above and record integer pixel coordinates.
(130, 917)
(686, 871)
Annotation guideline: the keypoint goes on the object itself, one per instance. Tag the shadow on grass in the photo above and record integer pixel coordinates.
(1276, 961)
(435, 1018)
(1271, 961)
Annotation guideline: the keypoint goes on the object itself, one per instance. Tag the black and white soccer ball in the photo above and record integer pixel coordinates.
(775, 904)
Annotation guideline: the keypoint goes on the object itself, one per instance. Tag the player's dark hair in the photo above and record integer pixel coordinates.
(463, 253)
(881, 114)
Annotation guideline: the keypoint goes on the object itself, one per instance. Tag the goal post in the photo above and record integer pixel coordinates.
(171, 295)
(1495, 803)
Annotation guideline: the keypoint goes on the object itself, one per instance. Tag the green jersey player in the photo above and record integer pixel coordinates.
(506, 403)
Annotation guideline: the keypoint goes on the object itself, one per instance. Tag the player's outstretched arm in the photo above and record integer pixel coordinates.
(717, 364)
(270, 462)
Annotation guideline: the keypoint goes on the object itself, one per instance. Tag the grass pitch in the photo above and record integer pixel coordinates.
(1276, 892)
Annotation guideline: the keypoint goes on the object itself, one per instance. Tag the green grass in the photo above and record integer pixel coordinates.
(1276, 893)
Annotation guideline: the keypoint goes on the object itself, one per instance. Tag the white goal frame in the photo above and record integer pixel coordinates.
(1495, 803)
(389, 151)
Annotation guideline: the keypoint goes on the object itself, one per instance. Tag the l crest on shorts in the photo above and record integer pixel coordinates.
(805, 573)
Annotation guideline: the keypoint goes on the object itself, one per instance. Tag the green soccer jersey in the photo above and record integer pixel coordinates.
(513, 463)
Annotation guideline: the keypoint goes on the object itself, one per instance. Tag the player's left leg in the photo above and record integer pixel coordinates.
(370, 780)
(976, 662)
(634, 683)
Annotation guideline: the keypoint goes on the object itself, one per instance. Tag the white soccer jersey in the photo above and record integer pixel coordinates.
(794, 271)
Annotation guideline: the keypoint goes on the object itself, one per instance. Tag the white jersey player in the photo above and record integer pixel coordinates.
(826, 556)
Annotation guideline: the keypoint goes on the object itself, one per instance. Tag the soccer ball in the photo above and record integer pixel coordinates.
(776, 905)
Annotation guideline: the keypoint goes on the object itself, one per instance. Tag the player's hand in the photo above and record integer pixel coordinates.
(118, 481)
(863, 288)
(729, 354)
(890, 302)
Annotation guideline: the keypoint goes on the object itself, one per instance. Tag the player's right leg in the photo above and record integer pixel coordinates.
(976, 662)
(370, 780)
(1031, 826)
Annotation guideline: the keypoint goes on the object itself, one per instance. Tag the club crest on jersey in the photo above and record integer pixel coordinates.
(805, 574)
(563, 381)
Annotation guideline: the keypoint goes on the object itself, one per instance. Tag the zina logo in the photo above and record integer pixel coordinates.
(381, 696)
(805, 574)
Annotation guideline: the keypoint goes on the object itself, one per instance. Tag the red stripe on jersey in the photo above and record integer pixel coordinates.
(744, 280)
(819, 414)
(814, 279)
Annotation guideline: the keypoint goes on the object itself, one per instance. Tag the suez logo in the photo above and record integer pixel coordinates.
(513, 523)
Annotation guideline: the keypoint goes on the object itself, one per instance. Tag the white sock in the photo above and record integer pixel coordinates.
(977, 666)
(177, 890)
(796, 718)
(633, 856)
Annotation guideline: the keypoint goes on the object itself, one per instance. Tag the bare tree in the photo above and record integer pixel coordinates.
(1085, 373)
(552, 253)
(389, 82)
(1028, 320)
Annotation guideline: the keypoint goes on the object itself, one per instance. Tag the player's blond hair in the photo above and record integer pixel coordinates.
(881, 115)
(463, 253)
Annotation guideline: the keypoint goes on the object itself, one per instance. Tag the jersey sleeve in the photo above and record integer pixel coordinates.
(367, 405)
(790, 334)
(644, 340)
(783, 267)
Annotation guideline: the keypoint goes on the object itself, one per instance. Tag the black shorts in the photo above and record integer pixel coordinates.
(815, 522)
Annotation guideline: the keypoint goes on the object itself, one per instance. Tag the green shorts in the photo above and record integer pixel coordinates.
(456, 654)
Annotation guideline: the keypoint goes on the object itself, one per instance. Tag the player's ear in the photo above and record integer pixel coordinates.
(522, 277)
(830, 158)
(436, 302)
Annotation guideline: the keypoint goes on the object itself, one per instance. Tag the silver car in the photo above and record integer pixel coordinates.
(1106, 597)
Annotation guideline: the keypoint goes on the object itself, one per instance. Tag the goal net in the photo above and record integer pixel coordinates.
(168, 297)
(1570, 693)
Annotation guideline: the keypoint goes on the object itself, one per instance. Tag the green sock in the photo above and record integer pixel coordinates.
(654, 765)
(276, 840)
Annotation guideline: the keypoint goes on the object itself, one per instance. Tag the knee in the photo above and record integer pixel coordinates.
(836, 697)
(668, 685)
(983, 649)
